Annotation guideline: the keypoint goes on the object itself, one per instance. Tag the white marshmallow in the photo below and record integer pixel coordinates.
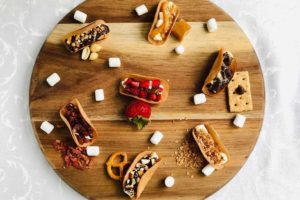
(159, 23)
(80, 16)
(169, 181)
(199, 98)
(161, 15)
(157, 37)
(179, 50)
(92, 150)
(202, 128)
(208, 170)
(156, 137)
(212, 25)
(99, 95)
(47, 127)
(239, 120)
(114, 62)
(141, 10)
(53, 79)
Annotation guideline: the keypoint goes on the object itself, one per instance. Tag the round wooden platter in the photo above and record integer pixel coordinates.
(175, 117)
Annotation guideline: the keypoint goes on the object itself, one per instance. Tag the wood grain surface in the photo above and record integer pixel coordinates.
(175, 118)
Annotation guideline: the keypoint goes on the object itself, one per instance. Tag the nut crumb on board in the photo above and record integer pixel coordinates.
(189, 154)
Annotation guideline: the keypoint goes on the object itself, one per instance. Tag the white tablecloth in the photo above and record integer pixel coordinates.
(271, 172)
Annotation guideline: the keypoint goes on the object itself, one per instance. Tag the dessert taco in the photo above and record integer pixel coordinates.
(220, 74)
(140, 172)
(211, 145)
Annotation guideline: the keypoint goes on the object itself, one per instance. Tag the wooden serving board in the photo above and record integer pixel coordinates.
(175, 117)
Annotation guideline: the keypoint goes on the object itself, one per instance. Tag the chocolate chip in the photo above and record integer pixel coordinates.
(240, 90)
(227, 59)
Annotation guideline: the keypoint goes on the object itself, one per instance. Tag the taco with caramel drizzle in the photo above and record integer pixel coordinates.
(165, 18)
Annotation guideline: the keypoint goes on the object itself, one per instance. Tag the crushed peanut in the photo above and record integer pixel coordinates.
(189, 154)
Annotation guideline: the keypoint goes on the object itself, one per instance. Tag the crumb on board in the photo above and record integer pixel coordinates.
(189, 155)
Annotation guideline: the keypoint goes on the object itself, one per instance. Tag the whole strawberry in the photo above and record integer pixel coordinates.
(138, 112)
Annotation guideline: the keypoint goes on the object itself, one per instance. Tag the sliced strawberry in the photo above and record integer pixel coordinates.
(160, 89)
(158, 98)
(135, 84)
(134, 91)
(145, 84)
(128, 81)
(143, 94)
(152, 96)
(155, 83)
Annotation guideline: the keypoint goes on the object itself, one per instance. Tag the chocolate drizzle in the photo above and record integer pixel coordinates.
(223, 77)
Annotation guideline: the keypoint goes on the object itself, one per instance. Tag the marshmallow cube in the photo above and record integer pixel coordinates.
(92, 150)
(156, 137)
(212, 25)
(53, 79)
(199, 98)
(169, 181)
(47, 127)
(114, 62)
(239, 120)
(99, 95)
(201, 127)
(208, 170)
(80, 16)
(179, 50)
(141, 10)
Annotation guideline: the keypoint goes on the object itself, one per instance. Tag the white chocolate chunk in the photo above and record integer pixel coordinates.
(157, 37)
(99, 95)
(154, 155)
(212, 25)
(156, 137)
(145, 161)
(47, 127)
(239, 120)
(169, 181)
(114, 62)
(161, 15)
(93, 150)
(80, 16)
(208, 170)
(179, 50)
(159, 23)
(88, 137)
(53, 79)
(202, 128)
(141, 10)
(224, 158)
(150, 85)
(199, 98)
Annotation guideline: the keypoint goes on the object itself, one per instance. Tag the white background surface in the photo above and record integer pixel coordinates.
(271, 172)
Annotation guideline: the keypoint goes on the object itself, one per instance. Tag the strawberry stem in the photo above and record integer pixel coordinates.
(140, 122)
